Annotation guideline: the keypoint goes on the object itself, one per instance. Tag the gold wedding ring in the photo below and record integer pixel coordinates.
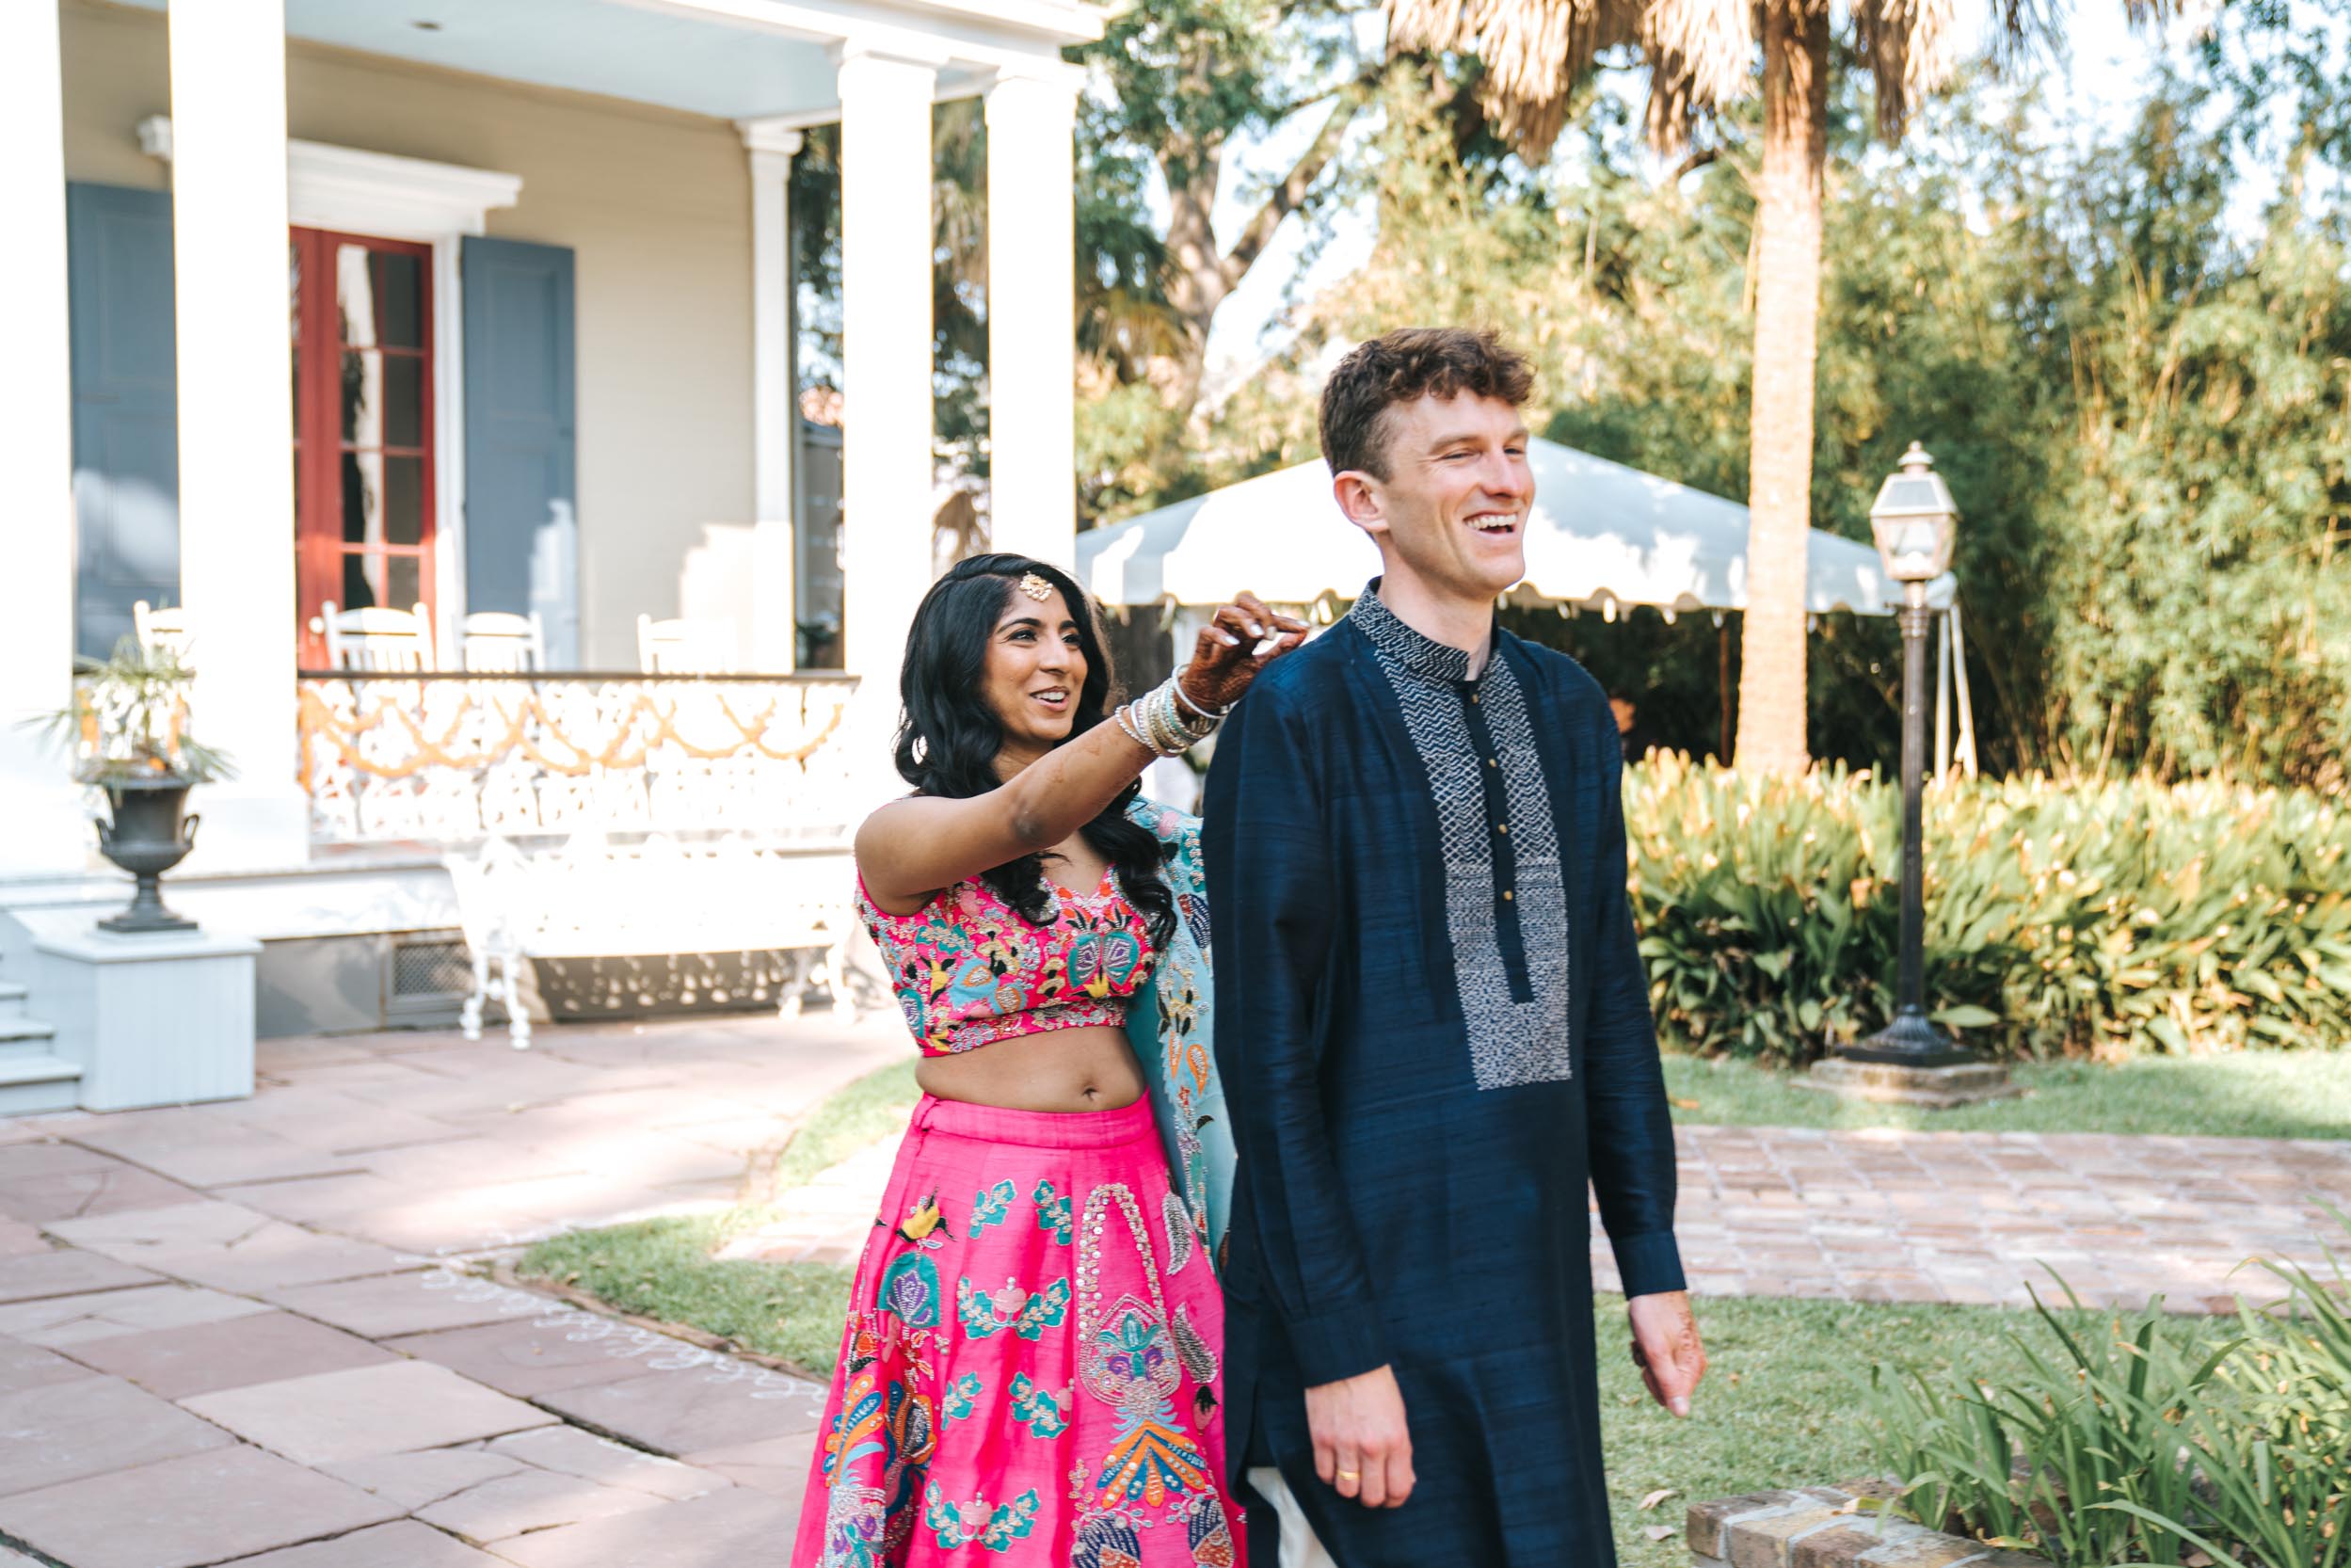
(1351, 1475)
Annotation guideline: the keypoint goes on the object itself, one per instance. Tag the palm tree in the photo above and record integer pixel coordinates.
(1701, 55)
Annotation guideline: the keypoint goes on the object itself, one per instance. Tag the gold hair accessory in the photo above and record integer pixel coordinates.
(1036, 587)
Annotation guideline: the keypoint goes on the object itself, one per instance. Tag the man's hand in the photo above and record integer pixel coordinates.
(1360, 1442)
(1665, 1348)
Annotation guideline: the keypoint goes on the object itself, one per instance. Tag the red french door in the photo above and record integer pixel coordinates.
(361, 317)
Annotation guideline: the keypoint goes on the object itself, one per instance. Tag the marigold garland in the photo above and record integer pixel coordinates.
(319, 721)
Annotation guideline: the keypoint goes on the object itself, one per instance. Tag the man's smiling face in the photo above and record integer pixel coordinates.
(1452, 510)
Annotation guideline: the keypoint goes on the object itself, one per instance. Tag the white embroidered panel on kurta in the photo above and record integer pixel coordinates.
(1512, 1039)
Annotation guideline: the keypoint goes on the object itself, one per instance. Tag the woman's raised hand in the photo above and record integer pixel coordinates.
(1240, 640)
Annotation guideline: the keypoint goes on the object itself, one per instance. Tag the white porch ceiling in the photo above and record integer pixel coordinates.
(733, 60)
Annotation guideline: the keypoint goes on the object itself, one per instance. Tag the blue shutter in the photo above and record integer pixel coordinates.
(126, 437)
(521, 524)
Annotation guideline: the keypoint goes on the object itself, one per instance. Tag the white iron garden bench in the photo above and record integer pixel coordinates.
(595, 899)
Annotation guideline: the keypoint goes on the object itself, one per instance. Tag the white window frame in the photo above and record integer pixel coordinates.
(376, 193)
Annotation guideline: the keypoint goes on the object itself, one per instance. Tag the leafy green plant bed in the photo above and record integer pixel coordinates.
(2137, 1443)
(2061, 919)
(1778, 1406)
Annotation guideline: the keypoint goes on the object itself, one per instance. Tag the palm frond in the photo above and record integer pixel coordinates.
(1913, 48)
(1128, 325)
(1912, 45)
(1706, 47)
(1535, 53)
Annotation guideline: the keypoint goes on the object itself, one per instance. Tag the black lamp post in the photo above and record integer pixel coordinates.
(1914, 522)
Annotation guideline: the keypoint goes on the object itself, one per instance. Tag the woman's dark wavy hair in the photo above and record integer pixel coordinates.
(948, 735)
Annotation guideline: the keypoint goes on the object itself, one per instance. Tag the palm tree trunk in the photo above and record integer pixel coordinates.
(1787, 314)
(1197, 282)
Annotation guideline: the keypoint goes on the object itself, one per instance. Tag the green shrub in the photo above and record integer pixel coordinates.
(2278, 1451)
(2081, 917)
(2022, 1465)
(2159, 1445)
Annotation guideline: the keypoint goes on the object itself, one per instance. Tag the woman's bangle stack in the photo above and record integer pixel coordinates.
(1167, 722)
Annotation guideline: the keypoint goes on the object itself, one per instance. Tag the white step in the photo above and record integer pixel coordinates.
(32, 1084)
(19, 1035)
(33, 1078)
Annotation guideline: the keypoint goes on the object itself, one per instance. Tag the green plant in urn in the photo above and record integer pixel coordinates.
(127, 728)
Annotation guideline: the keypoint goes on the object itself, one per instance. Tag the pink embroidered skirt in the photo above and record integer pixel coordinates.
(1031, 1362)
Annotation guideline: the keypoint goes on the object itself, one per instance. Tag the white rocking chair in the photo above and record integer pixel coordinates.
(378, 641)
(684, 646)
(501, 642)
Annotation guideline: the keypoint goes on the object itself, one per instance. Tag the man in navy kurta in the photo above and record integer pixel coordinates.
(1432, 1026)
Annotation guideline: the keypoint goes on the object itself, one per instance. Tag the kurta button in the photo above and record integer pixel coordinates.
(1506, 895)
(1493, 761)
(1502, 827)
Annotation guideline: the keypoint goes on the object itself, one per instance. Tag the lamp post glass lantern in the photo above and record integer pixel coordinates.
(1914, 522)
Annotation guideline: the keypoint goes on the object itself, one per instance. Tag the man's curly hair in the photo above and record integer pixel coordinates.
(1403, 366)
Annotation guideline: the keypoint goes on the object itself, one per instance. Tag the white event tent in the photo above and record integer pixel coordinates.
(1601, 531)
(1602, 537)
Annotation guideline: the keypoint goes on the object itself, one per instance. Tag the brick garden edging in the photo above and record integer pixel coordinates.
(1820, 1527)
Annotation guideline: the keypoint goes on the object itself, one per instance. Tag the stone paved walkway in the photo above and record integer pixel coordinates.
(1887, 1215)
(245, 1334)
(242, 1333)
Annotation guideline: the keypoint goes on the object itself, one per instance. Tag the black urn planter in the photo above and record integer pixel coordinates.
(150, 834)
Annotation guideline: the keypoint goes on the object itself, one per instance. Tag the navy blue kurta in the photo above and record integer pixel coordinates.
(1434, 1029)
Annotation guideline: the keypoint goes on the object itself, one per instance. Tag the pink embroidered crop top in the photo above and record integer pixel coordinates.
(968, 971)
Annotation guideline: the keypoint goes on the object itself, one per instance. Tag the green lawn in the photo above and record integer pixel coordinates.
(865, 1111)
(663, 1269)
(2253, 1094)
(1783, 1403)
(1786, 1401)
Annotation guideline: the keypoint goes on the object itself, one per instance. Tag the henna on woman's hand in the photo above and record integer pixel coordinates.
(1238, 642)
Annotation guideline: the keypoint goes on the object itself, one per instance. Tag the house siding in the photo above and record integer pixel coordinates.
(655, 204)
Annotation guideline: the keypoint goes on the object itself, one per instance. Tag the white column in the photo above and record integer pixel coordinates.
(236, 417)
(885, 354)
(38, 800)
(1033, 310)
(773, 418)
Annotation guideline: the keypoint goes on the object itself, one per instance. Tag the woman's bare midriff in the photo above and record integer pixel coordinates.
(1062, 1070)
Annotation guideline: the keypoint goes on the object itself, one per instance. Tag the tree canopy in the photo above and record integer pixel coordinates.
(2128, 346)
(2142, 404)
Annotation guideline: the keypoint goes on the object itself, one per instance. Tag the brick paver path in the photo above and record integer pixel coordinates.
(245, 1334)
(1880, 1214)
(1893, 1216)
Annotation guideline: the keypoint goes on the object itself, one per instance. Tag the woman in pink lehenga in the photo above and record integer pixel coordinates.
(1031, 1364)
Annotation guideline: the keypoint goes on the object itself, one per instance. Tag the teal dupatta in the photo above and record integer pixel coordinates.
(1171, 1026)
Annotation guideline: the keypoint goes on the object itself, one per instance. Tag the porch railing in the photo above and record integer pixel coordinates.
(449, 758)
